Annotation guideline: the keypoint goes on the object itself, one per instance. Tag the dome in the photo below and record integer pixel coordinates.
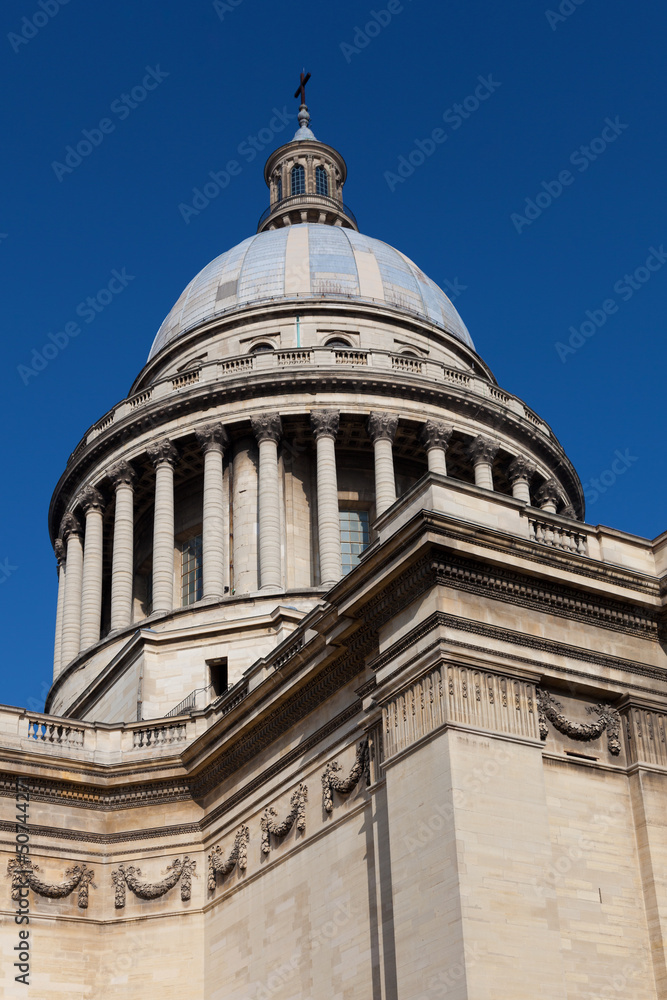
(309, 261)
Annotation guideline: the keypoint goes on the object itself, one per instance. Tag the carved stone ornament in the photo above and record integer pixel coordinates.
(162, 451)
(607, 719)
(568, 511)
(549, 492)
(70, 525)
(297, 814)
(332, 783)
(382, 426)
(59, 549)
(520, 468)
(324, 422)
(238, 858)
(91, 499)
(128, 875)
(22, 873)
(483, 449)
(212, 436)
(121, 474)
(267, 427)
(436, 434)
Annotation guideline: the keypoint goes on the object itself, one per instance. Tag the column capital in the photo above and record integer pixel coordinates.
(324, 423)
(91, 499)
(70, 525)
(161, 452)
(122, 474)
(60, 551)
(212, 437)
(549, 492)
(520, 468)
(483, 449)
(268, 426)
(436, 434)
(381, 426)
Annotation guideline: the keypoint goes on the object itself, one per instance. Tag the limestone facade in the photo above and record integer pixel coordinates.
(264, 774)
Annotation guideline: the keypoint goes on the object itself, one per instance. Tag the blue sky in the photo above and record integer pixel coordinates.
(568, 126)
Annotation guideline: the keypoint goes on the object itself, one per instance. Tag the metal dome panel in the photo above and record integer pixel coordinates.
(327, 261)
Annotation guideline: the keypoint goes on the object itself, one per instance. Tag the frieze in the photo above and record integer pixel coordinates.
(129, 876)
(295, 817)
(332, 782)
(238, 858)
(22, 873)
(607, 720)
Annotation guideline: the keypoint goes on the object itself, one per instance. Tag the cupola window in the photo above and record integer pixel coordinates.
(279, 189)
(322, 182)
(191, 571)
(298, 180)
(337, 342)
(354, 536)
(261, 348)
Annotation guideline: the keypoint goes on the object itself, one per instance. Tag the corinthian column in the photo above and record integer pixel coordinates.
(519, 473)
(163, 456)
(71, 533)
(549, 495)
(122, 569)
(325, 428)
(435, 437)
(91, 594)
(267, 430)
(57, 651)
(213, 440)
(482, 452)
(381, 430)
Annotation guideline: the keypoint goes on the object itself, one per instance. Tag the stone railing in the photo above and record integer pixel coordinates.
(312, 358)
(549, 532)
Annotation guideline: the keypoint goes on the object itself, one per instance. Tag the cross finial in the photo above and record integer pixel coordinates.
(301, 89)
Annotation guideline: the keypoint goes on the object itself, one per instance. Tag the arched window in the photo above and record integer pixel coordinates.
(322, 182)
(298, 179)
(261, 348)
(337, 342)
(279, 189)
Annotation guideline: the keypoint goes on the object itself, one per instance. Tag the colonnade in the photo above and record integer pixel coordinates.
(80, 565)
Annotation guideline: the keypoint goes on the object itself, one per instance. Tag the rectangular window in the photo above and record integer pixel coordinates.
(354, 536)
(191, 571)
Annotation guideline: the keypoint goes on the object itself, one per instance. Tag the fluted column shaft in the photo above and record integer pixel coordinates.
(212, 439)
(91, 593)
(267, 429)
(482, 452)
(325, 428)
(382, 429)
(163, 456)
(122, 567)
(435, 438)
(57, 648)
(71, 623)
